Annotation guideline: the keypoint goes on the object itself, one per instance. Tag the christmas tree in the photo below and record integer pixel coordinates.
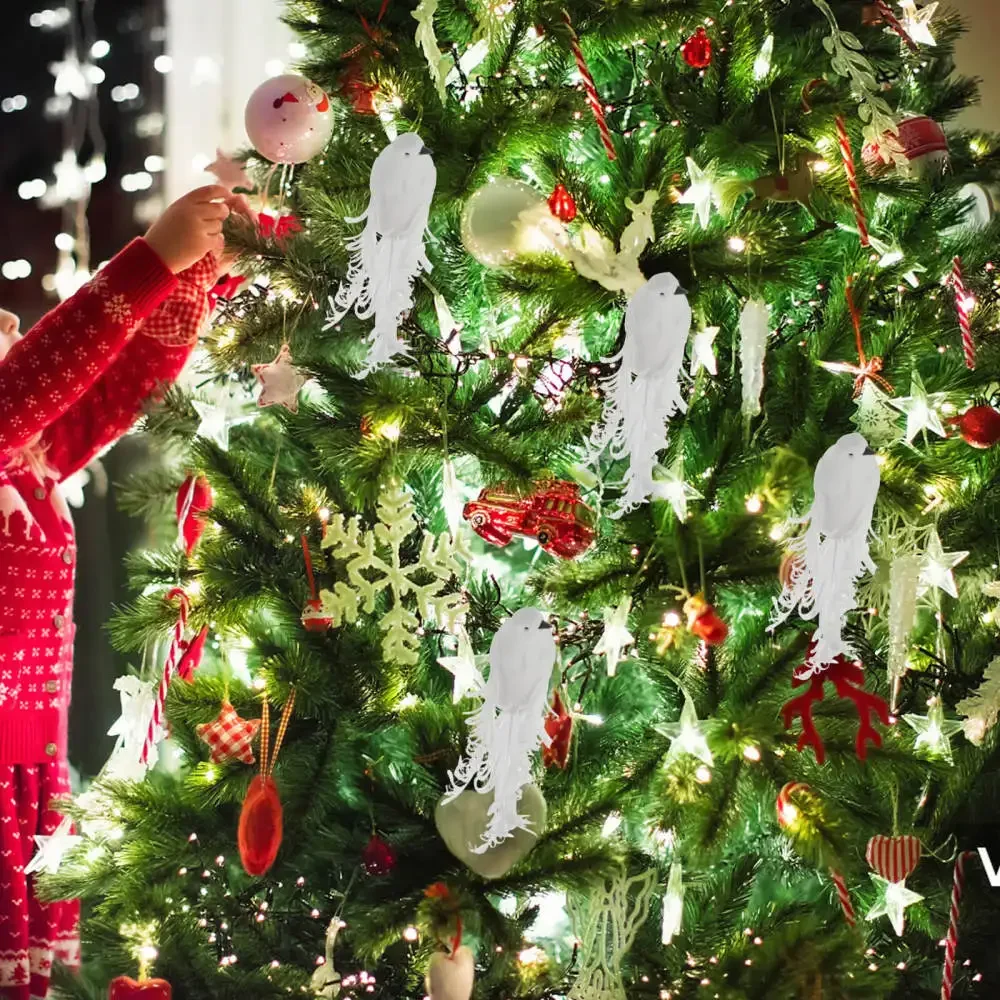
(624, 380)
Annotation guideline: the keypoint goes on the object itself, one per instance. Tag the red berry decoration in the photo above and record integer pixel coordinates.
(126, 988)
(704, 622)
(979, 426)
(552, 512)
(378, 858)
(561, 204)
(697, 50)
(559, 729)
(193, 498)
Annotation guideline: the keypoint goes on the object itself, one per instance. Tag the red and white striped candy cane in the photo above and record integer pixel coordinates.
(847, 153)
(169, 667)
(896, 25)
(964, 317)
(844, 896)
(593, 98)
(951, 941)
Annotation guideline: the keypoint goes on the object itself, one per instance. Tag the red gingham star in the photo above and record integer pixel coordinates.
(229, 737)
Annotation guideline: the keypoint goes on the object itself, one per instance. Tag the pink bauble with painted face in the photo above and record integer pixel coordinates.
(288, 119)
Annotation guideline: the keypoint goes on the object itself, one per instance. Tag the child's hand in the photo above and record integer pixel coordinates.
(191, 227)
(9, 323)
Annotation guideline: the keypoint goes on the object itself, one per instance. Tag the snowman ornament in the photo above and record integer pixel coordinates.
(288, 119)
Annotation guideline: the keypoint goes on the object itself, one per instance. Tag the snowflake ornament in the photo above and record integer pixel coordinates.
(280, 381)
(375, 565)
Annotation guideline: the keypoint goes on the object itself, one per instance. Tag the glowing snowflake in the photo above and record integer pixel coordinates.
(374, 565)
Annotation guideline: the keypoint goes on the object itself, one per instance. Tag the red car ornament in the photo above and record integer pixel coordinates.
(552, 512)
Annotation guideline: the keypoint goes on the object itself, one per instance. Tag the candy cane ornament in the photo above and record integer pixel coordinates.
(845, 897)
(896, 25)
(951, 940)
(847, 153)
(593, 98)
(169, 667)
(963, 303)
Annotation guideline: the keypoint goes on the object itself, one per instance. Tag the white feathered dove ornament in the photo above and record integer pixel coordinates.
(509, 725)
(833, 553)
(389, 252)
(645, 390)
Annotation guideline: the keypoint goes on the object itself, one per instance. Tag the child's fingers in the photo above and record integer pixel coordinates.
(238, 203)
(210, 192)
(214, 211)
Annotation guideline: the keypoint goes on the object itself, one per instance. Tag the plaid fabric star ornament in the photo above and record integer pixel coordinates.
(229, 737)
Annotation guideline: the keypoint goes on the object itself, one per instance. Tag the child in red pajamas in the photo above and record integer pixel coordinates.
(72, 386)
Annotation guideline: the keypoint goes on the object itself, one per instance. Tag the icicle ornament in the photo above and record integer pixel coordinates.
(754, 329)
(645, 390)
(904, 584)
(833, 553)
(509, 725)
(389, 253)
(673, 904)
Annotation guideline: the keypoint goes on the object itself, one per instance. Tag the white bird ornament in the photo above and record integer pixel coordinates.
(389, 252)
(509, 725)
(833, 553)
(645, 390)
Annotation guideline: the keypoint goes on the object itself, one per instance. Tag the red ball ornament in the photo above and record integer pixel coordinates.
(920, 150)
(314, 619)
(979, 426)
(697, 50)
(261, 826)
(193, 498)
(561, 204)
(378, 858)
(559, 729)
(126, 988)
(704, 622)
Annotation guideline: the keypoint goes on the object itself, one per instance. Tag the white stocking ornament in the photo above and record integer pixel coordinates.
(389, 252)
(509, 725)
(833, 553)
(645, 391)
(451, 977)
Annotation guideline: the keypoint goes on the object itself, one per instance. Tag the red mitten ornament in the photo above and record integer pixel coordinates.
(126, 988)
(559, 729)
(261, 819)
(193, 498)
(190, 661)
(704, 622)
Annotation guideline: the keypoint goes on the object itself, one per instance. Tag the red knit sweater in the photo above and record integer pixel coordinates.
(73, 385)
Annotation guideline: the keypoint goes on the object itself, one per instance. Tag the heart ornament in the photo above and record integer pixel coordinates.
(894, 858)
(461, 823)
(451, 977)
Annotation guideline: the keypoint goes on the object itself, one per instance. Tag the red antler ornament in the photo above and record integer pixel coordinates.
(848, 680)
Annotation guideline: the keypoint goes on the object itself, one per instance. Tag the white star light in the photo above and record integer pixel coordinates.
(72, 77)
(686, 735)
(52, 849)
(221, 414)
(280, 381)
(670, 485)
(701, 193)
(920, 411)
(893, 900)
(462, 664)
(615, 638)
(702, 352)
(934, 731)
(917, 23)
(937, 567)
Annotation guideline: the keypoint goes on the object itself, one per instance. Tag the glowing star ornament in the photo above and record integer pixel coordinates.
(227, 410)
(389, 253)
(673, 904)
(230, 172)
(701, 194)
(509, 725)
(919, 407)
(670, 485)
(892, 902)
(52, 848)
(937, 567)
(616, 638)
(703, 352)
(463, 665)
(917, 23)
(686, 735)
(934, 731)
(280, 381)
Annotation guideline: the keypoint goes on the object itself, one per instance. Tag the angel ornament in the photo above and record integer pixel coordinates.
(509, 725)
(389, 252)
(645, 391)
(833, 553)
